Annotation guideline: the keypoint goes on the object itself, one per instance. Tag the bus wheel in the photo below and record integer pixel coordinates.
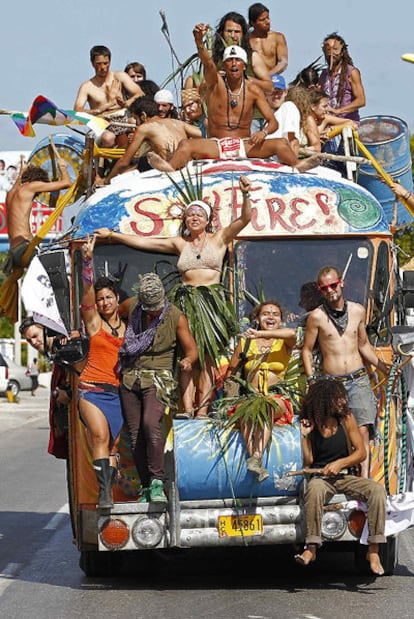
(99, 564)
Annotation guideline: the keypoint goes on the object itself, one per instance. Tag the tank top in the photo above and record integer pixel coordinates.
(102, 359)
(209, 258)
(331, 87)
(328, 449)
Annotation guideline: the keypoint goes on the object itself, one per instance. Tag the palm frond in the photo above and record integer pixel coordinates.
(191, 190)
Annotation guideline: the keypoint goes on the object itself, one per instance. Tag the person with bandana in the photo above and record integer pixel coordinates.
(201, 254)
(146, 357)
(338, 325)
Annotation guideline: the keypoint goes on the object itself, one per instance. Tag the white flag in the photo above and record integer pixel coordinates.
(39, 299)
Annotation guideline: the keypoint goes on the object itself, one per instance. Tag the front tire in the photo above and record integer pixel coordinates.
(15, 387)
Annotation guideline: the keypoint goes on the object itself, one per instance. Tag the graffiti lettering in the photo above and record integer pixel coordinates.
(148, 215)
(275, 214)
(295, 205)
(322, 200)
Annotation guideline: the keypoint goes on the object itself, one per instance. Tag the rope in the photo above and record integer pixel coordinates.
(404, 413)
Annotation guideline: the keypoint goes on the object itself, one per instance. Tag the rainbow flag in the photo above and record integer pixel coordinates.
(44, 111)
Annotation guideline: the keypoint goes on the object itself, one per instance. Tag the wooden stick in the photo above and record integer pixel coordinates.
(53, 147)
(330, 156)
(310, 471)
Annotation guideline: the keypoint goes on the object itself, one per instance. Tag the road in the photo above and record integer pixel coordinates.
(40, 575)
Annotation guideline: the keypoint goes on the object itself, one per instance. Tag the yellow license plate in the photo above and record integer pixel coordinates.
(231, 526)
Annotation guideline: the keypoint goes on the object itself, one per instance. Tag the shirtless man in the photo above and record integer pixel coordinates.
(271, 45)
(231, 100)
(339, 327)
(31, 181)
(103, 93)
(161, 135)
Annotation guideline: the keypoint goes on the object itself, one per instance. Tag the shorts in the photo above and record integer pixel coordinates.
(361, 400)
(230, 148)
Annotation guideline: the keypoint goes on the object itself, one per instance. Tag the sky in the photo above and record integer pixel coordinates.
(46, 51)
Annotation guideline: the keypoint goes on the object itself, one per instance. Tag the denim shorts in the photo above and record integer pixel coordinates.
(361, 400)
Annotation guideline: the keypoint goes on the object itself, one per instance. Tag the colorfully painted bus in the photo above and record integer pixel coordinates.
(300, 223)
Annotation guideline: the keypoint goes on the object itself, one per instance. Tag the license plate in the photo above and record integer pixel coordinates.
(232, 526)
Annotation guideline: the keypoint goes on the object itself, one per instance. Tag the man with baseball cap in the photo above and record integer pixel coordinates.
(231, 100)
(286, 113)
(165, 103)
(155, 329)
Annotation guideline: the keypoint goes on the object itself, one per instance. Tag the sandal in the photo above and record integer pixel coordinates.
(185, 415)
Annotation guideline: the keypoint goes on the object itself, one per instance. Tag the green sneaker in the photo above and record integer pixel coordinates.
(145, 496)
(156, 492)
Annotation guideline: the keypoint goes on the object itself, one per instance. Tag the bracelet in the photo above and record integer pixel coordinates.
(408, 196)
(88, 307)
(265, 132)
(311, 379)
(246, 194)
(110, 235)
(200, 48)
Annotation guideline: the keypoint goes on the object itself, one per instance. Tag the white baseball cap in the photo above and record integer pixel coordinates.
(235, 51)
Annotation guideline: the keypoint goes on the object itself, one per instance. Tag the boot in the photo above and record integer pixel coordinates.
(254, 464)
(104, 476)
(262, 475)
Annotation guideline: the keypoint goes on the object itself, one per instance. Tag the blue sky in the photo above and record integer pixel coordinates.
(47, 51)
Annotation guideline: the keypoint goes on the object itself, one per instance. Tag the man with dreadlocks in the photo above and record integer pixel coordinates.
(341, 80)
(331, 443)
(31, 181)
(339, 327)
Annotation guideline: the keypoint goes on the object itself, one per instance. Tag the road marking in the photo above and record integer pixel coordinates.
(7, 575)
(55, 520)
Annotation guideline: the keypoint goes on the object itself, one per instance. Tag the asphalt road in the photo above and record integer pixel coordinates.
(40, 574)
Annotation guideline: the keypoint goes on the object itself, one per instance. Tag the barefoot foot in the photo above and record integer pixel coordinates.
(309, 162)
(307, 556)
(375, 563)
(158, 163)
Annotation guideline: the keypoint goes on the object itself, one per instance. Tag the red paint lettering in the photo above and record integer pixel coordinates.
(156, 219)
(322, 200)
(297, 212)
(276, 208)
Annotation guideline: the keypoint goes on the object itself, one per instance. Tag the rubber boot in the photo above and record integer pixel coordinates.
(104, 476)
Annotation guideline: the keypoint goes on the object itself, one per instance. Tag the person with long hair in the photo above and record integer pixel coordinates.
(265, 359)
(99, 400)
(201, 253)
(341, 80)
(332, 444)
(233, 29)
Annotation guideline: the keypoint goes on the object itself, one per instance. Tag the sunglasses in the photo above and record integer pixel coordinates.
(333, 285)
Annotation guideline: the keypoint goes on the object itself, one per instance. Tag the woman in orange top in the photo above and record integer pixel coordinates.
(99, 401)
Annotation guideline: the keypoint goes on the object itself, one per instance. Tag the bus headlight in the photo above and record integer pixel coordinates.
(147, 532)
(333, 525)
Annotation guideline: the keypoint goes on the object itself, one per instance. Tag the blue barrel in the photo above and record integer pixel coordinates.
(211, 462)
(387, 139)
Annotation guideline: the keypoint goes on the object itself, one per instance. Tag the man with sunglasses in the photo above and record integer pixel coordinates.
(339, 327)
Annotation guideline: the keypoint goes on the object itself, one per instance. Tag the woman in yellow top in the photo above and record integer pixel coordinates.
(265, 362)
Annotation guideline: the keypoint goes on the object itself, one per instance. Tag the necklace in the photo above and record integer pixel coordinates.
(197, 249)
(114, 330)
(233, 102)
(234, 96)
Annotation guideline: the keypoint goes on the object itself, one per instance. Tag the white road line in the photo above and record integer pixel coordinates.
(7, 575)
(55, 520)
